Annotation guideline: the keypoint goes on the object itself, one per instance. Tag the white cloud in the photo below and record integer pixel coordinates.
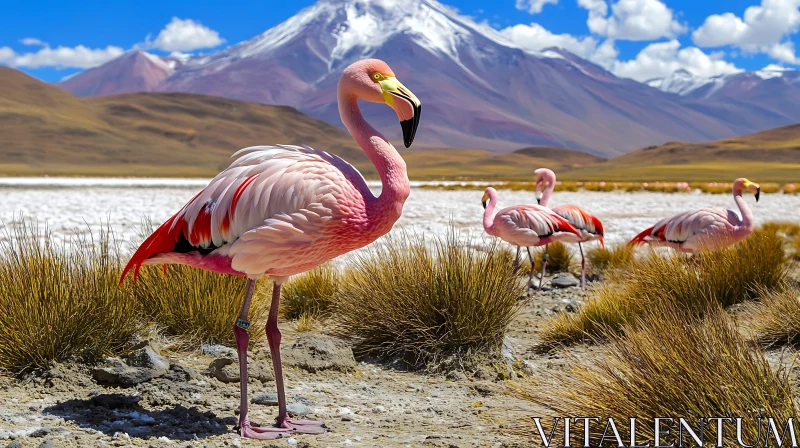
(660, 59)
(783, 52)
(632, 19)
(60, 57)
(605, 55)
(534, 6)
(536, 37)
(186, 35)
(33, 42)
(761, 26)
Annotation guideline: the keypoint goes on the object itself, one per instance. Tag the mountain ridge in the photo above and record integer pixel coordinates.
(479, 89)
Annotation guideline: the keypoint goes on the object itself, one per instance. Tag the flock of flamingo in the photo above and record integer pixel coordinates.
(283, 210)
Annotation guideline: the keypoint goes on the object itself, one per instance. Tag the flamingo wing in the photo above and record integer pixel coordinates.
(526, 225)
(266, 206)
(687, 227)
(587, 224)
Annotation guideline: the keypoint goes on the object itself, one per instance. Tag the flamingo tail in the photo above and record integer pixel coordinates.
(640, 238)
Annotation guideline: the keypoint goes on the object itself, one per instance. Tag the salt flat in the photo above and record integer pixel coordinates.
(73, 205)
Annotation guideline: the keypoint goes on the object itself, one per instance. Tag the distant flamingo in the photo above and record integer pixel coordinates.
(704, 229)
(589, 226)
(524, 225)
(280, 211)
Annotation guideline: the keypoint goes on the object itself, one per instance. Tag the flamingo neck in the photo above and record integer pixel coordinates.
(748, 221)
(390, 166)
(488, 214)
(547, 192)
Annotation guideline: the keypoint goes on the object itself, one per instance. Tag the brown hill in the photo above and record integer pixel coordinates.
(772, 155)
(46, 130)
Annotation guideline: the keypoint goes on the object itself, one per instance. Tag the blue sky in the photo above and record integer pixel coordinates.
(633, 38)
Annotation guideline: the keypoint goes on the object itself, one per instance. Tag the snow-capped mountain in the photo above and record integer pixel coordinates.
(134, 71)
(685, 83)
(479, 89)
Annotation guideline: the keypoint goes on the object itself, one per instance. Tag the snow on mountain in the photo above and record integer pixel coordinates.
(479, 89)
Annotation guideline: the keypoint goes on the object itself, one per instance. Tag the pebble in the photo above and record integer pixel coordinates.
(14, 444)
(298, 409)
(47, 444)
(565, 281)
(268, 399)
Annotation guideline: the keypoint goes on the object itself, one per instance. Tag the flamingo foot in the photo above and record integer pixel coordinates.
(286, 429)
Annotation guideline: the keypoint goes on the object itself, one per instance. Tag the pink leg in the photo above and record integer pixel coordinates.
(283, 422)
(583, 268)
(545, 256)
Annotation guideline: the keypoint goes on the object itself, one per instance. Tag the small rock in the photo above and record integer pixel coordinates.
(180, 373)
(298, 409)
(456, 375)
(41, 432)
(508, 351)
(480, 374)
(14, 444)
(268, 399)
(47, 444)
(149, 357)
(218, 351)
(572, 306)
(227, 370)
(316, 352)
(565, 281)
(122, 375)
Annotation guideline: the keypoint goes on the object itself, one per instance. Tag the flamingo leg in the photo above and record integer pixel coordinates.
(516, 258)
(285, 427)
(583, 268)
(545, 256)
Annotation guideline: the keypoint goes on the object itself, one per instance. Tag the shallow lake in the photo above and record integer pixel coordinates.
(70, 205)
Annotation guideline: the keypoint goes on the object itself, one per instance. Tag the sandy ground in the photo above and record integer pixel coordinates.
(371, 406)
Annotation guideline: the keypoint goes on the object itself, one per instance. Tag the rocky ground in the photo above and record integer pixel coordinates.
(158, 398)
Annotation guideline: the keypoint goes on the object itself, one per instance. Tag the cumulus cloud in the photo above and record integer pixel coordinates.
(759, 28)
(536, 37)
(534, 6)
(32, 41)
(663, 58)
(783, 52)
(60, 57)
(632, 19)
(185, 35)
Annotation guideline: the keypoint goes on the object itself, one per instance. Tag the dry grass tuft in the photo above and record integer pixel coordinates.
(727, 277)
(560, 257)
(776, 319)
(670, 364)
(61, 302)
(432, 303)
(310, 294)
(790, 231)
(197, 306)
(610, 258)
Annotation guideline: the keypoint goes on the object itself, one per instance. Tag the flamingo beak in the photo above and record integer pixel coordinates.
(485, 200)
(405, 104)
(758, 193)
(484, 204)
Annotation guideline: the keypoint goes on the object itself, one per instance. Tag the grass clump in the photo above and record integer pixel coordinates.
(559, 257)
(726, 277)
(310, 294)
(670, 363)
(432, 303)
(198, 306)
(776, 319)
(604, 259)
(61, 302)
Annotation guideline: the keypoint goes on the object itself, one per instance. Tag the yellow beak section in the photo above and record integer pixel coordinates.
(405, 103)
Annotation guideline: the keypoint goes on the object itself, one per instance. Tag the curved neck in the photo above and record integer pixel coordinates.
(391, 167)
(744, 209)
(551, 185)
(488, 214)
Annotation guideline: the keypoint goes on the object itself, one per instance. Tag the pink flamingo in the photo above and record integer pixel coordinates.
(589, 226)
(524, 225)
(280, 211)
(704, 229)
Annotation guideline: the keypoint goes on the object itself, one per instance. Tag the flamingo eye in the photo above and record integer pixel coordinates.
(377, 76)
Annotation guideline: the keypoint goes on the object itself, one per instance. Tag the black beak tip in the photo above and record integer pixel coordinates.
(484, 204)
(758, 193)
(410, 127)
(539, 201)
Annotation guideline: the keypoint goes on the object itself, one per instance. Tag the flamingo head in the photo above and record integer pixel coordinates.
(488, 194)
(742, 184)
(374, 81)
(543, 177)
